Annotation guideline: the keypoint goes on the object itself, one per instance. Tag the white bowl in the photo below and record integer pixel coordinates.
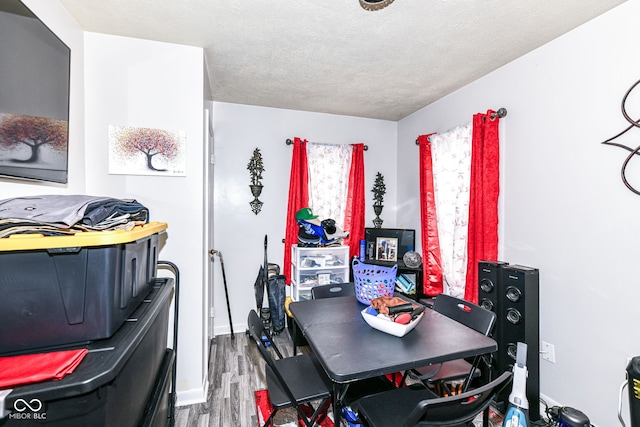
(384, 324)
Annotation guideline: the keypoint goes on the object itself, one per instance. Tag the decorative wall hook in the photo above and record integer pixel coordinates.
(256, 168)
(379, 190)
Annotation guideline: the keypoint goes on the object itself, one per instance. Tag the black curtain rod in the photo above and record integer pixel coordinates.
(502, 112)
(289, 142)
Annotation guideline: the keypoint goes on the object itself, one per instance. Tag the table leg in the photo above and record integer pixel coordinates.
(337, 404)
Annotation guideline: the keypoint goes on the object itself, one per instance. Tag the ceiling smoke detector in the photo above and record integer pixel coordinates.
(375, 4)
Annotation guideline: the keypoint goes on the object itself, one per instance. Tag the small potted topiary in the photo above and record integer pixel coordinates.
(379, 190)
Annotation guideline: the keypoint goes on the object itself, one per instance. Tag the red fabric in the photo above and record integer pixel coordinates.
(482, 240)
(264, 409)
(354, 212)
(323, 419)
(33, 368)
(263, 406)
(298, 199)
(432, 265)
(395, 379)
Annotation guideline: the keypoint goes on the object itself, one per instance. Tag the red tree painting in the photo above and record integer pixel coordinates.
(33, 132)
(130, 142)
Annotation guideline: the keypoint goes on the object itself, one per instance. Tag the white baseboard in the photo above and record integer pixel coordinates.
(550, 402)
(193, 396)
(226, 330)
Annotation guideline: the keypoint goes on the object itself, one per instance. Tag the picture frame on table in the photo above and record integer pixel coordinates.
(386, 249)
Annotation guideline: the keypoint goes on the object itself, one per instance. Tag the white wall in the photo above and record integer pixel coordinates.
(142, 83)
(238, 232)
(564, 207)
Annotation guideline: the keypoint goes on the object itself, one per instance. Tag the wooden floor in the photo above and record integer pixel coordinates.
(236, 371)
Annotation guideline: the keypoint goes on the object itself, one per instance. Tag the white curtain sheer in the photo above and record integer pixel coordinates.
(329, 167)
(451, 157)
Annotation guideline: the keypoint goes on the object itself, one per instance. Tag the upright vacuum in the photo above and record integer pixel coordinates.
(269, 278)
(518, 409)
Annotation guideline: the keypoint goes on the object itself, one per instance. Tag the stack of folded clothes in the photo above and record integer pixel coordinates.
(58, 215)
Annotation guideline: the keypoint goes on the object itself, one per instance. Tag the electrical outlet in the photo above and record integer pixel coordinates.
(548, 352)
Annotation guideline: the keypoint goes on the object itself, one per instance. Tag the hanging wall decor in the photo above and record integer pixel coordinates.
(375, 4)
(146, 151)
(379, 190)
(632, 151)
(256, 168)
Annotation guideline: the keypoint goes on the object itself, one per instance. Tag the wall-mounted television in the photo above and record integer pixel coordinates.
(34, 97)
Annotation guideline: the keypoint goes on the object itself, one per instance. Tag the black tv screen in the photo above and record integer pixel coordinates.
(381, 240)
(34, 97)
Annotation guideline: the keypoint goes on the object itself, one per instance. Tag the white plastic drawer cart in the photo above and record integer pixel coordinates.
(317, 266)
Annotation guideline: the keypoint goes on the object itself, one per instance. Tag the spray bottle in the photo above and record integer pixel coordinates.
(518, 409)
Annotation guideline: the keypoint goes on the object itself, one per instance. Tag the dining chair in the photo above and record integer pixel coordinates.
(334, 290)
(470, 315)
(409, 407)
(292, 382)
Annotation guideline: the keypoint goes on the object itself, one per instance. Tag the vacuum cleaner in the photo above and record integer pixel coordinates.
(518, 409)
(633, 384)
(570, 417)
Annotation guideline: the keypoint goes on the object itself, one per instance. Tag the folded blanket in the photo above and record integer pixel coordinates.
(33, 368)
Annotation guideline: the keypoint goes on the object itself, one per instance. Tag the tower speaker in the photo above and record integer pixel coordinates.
(489, 294)
(518, 321)
(489, 277)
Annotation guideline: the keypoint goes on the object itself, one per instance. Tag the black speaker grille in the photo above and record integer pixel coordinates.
(518, 320)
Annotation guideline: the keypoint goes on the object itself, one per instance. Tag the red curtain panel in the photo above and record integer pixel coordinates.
(431, 264)
(354, 212)
(298, 199)
(482, 241)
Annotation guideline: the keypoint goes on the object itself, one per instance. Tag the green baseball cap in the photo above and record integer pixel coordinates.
(305, 214)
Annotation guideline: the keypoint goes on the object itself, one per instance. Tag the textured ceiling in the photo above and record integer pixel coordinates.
(332, 56)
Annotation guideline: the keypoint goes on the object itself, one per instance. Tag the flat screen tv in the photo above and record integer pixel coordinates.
(34, 97)
(388, 244)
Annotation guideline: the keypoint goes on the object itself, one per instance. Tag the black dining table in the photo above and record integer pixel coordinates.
(350, 350)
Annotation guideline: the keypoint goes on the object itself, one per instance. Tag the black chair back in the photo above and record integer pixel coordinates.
(408, 407)
(471, 315)
(257, 332)
(255, 323)
(458, 409)
(336, 290)
(285, 376)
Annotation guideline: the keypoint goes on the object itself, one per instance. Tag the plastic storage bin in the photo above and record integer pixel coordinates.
(120, 382)
(158, 409)
(59, 290)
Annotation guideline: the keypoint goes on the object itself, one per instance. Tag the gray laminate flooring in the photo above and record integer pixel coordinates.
(236, 371)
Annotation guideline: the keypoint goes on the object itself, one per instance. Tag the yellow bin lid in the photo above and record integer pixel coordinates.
(25, 242)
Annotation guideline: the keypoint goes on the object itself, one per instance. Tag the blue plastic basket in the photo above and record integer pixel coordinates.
(373, 281)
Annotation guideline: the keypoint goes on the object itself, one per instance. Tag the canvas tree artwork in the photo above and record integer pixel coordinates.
(36, 143)
(146, 151)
